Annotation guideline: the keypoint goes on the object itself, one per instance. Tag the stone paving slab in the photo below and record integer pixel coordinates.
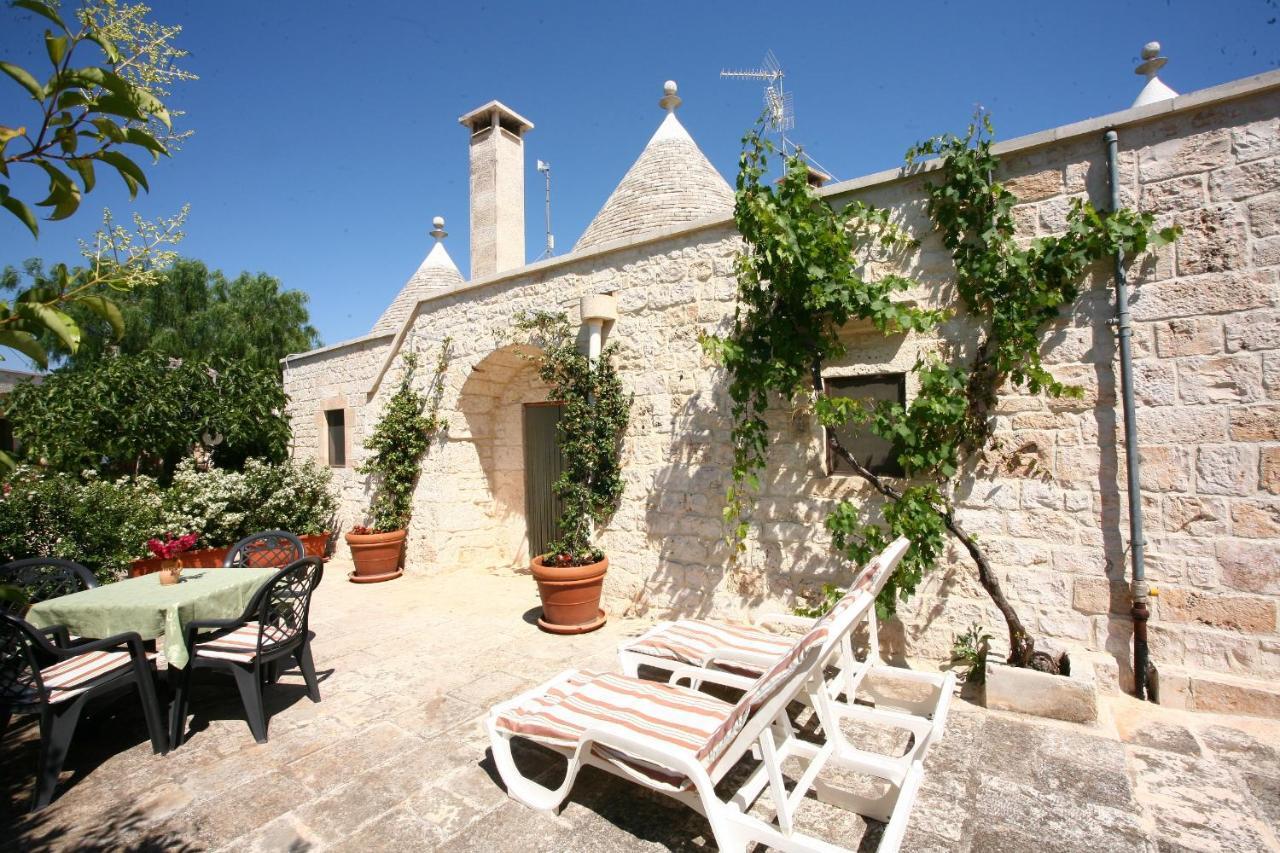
(395, 757)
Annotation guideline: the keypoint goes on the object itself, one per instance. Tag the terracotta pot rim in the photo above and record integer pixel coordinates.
(375, 538)
(567, 573)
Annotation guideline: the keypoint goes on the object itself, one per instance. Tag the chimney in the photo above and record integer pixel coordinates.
(497, 187)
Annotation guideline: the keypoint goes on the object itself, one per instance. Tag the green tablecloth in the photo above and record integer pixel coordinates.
(144, 605)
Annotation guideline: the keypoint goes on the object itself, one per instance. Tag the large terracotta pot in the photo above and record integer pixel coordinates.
(570, 596)
(376, 555)
(205, 558)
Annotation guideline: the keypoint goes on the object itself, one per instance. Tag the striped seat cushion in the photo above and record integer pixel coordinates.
(75, 675)
(242, 643)
(674, 717)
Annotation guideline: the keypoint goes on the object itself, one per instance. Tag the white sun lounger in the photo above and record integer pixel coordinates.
(682, 742)
(686, 649)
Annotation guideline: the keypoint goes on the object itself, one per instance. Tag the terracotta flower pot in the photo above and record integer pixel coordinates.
(170, 572)
(316, 544)
(570, 596)
(376, 555)
(205, 558)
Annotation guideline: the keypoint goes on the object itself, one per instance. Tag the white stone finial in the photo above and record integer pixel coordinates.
(438, 231)
(1155, 90)
(670, 100)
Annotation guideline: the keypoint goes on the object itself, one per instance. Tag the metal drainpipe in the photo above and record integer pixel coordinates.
(1139, 590)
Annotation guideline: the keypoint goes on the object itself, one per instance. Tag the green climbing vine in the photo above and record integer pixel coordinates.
(410, 422)
(802, 277)
(593, 419)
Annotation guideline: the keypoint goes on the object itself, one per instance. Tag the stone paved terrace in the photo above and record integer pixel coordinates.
(395, 758)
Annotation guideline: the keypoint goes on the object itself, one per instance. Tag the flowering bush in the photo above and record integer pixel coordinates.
(105, 524)
(170, 547)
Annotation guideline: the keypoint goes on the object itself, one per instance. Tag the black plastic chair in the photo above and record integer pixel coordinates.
(272, 627)
(42, 578)
(56, 683)
(268, 549)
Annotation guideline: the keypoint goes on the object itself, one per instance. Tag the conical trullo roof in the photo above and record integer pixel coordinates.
(437, 273)
(672, 182)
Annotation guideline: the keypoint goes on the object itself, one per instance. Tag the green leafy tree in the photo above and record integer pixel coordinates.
(195, 313)
(100, 104)
(404, 433)
(593, 420)
(800, 279)
(143, 413)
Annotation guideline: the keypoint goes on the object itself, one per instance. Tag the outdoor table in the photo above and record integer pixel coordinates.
(144, 605)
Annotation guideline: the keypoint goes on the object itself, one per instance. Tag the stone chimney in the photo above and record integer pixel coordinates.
(497, 187)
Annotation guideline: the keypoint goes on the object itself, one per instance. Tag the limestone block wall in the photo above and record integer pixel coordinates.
(336, 377)
(1050, 507)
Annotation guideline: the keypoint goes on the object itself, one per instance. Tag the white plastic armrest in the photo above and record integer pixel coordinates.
(715, 676)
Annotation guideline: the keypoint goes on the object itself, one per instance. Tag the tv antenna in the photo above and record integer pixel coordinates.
(545, 168)
(777, 101)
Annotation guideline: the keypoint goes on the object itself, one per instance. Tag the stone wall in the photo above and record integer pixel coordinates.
(1050, 508)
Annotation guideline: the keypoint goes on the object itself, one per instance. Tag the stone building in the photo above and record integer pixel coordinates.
(1207, 367)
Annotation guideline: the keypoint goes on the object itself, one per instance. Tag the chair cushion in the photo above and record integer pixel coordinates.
(75, 675)
(675, 717)
(241, 644)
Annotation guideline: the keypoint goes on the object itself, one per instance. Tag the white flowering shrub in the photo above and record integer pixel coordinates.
(105, 524)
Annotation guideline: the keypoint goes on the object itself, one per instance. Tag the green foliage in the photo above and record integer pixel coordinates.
(143, 413)
(105, 524)
(800, 279)
(86, 117)
(596, 410)
(409, 424)
(194, 314)
(99, 523)
(969, 650)
(799, 282)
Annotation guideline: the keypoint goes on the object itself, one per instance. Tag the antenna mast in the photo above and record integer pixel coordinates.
(777, 101)
(545, 168)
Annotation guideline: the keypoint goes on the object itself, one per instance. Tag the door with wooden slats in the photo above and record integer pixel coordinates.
(542, 466)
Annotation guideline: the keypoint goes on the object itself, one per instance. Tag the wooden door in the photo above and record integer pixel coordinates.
(542, 466)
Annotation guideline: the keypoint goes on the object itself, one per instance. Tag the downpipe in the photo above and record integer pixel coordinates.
(1145, 679)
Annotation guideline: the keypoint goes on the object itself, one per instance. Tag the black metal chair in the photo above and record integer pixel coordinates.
(57, 683)
(268, 549)
(272, 627)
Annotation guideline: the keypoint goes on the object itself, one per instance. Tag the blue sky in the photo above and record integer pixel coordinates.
(326, 133)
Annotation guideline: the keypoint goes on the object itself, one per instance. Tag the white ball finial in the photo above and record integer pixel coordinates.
(1151, 50)
(438, 231)
(1152, 61)
(670, 100)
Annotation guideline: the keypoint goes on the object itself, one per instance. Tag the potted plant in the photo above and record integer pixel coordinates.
(594, 416)
(409, 424)
(169, 551)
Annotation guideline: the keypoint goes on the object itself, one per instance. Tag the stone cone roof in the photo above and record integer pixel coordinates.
(436, 274)
(670, 183)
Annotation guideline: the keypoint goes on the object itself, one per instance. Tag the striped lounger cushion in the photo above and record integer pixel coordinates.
(242, 643)
(691, 640)
(677, 718)
(73, 676)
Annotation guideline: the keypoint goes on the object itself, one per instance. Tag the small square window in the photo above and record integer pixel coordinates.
(864, 445)
(335, 421)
